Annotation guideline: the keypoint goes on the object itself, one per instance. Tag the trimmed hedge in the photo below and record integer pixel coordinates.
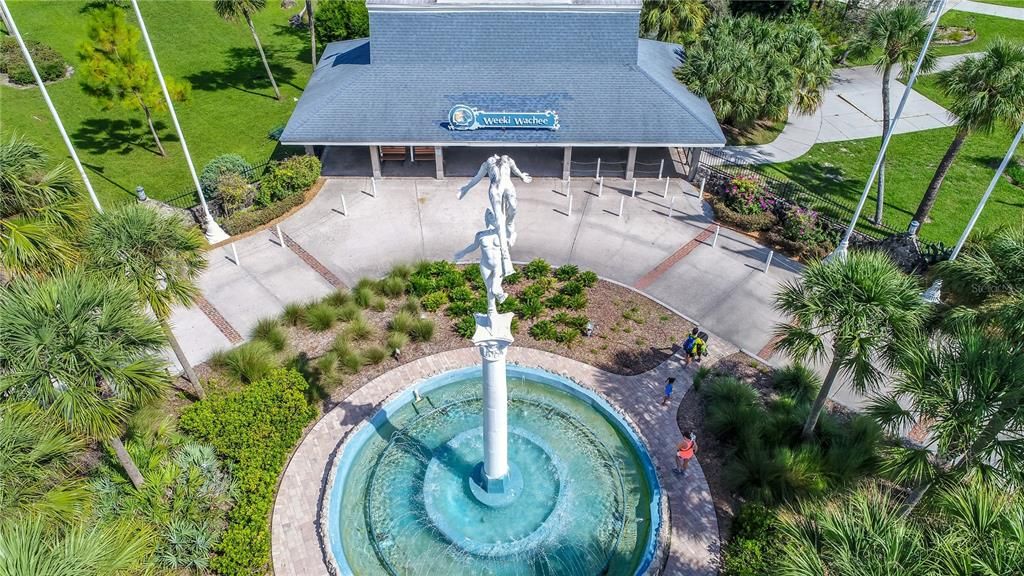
(221, 166)
(288, 177)
(253, 430)
(748, 222)
(49, 62)
(252, 218)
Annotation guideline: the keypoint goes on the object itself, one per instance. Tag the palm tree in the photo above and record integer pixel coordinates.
(159, 254)
(860, 533)
(83, 348)
(984, 528)
(40, 210)
(37, 472)
(966, 391)
(862, 306)
(984, 91)
(986, 281)
(673, 20)
(29, 548)
(232, 10)
(899, 32)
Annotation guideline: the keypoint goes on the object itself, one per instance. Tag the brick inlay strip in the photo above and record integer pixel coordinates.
(649, 278)
(218, 320)
(312, 262)
(768, 351)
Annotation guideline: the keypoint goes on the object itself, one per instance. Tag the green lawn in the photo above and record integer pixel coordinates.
(1011, 3)
(841, 168)
(232, 107)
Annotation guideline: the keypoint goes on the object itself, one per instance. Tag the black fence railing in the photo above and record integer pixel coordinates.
(189, 199)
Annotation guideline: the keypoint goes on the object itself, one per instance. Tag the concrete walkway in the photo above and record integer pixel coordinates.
(1011, 12)
(688, 541)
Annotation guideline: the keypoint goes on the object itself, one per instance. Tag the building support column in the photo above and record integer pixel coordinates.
(693, 162)
(309, 150)
(567, 163)
(630, 162)
(375, 160)
(439, 162)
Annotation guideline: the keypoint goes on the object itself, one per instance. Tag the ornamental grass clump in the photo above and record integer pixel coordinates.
(397, 341)
(359, 329)
(294, 314)
(402, 322)
(374, 355)
(246, 363)
(422, 330)
(320, 317)
(269, 330)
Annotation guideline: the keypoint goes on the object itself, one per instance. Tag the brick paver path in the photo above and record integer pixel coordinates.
(689, 544)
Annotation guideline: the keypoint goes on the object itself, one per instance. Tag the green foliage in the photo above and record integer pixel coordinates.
(433, 301)
(234, 192)
(402, 322)
(571, 289)
(320, 316)
(465, 327)
(362, 296)
(359, 329)
(536, 269)
(514, 278)
(374, 354)
(351, 361)
(378, 304)
(575, 321)
(221, 166)
(566, 272)
(403, 271)
(753, 549)
(294, 313)
(544, 330)
(676, 21)
(254, 430)
(530, 308)
(349, 312)
(587, 278)
(731, 407)
(577, 302)
(760, 221)
(341, 20)
(471, 274)
(338, 298)
(411, 305)
(269, 330)
(291, 176)
(86, 548)
(49, 63)
(797, 381)
(248, 362)
(252, 218)
(422, 330)
(750, 69)
(392, 286)
(398, 340)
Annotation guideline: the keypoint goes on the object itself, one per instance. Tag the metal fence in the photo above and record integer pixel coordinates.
(189, 198)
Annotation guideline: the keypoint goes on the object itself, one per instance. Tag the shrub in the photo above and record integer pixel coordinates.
(234, 192)
(797, 381)
(254, 429)
(587, 278)
(530, 308)
(293, 314)
(512, 279)
(375, 355)
(338, 298)
(397, 340)
(799, 224)
(567, 336)
(252, 218)
(320, 316)
(571, 289)
(392, 286)
(342, 344)
(49, 63)
(362, 296)
(567, 272)
(378, 303)
(557, 301)
(289, 177)
(471, 274)
(753, 549)
(221, 166)
(340, 20)
(537, 268)
(854, 452)
(745, 195)
(577, 302)
(411, 305)
(577, 321)
(536, 290)
(422, 330)
(351, 362)
(466, 327)
(246, 363)
(702, 374)
(433, 301)
(350, 312)
(461, 294)
(269, 330)
(327, 364)
(544, 330)
(731, 408)
(457, 309)
(748, 222)
(402, 322)
(359, 329)
(403, 271)
(779, 475)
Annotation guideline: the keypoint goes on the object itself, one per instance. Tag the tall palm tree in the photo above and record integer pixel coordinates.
(984, 92)
(673, 20)
(29, 548)
(966, 390)
(898, 32)
(159, 254)
(40, 210)
(986, 281)
(860, 533)
(861, 307)
(37, 473)
(83, 348)
(232, 10)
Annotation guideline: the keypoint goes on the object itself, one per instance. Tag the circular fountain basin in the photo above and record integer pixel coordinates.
(585, 501)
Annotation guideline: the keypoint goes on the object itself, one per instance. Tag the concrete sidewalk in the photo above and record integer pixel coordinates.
(1010, 12)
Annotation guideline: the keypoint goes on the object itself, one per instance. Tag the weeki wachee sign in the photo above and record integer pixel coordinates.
(463, 117)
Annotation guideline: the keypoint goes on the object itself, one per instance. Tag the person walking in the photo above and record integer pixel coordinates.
(685, 452)
(668, 390)
(695, 345)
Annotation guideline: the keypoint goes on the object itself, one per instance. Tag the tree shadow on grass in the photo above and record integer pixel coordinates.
(244, 72)
(296, 37)
(101, 172)
(104, 135)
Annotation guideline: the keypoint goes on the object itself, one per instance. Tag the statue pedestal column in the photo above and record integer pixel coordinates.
(493, 337)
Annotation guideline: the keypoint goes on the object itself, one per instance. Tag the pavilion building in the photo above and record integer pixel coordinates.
(441, 84)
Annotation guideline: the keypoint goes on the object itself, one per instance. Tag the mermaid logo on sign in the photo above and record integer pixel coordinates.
(463, 117)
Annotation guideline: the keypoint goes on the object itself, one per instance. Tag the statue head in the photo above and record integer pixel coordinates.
(489, 219)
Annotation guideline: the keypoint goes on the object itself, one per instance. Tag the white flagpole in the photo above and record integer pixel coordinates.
(214, 233)
(49, 104)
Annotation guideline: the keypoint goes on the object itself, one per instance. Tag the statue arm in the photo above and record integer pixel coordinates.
(468, 249)
(515, 170)
(474, 181)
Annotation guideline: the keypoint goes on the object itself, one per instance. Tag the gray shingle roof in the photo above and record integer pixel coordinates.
(351, 101)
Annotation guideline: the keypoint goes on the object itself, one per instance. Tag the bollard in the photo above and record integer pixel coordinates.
(568, 188)
(373, 185)
(600, 186)
(235, 252)
(569, 211)
(768, 262)
(280, 237)
(668, 179)
(598, 173)
(633, 195)
(702, 180)
(671, 205)
(344, 207)
(718, 228)
(622, 202)
(660, 168)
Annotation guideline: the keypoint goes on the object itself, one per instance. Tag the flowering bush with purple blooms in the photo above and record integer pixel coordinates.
(800, 224)
(746, 196)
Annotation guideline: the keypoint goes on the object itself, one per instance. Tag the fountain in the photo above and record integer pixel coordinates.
(467, 475)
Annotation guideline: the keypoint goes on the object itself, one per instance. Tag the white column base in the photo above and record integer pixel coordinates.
(214, 233)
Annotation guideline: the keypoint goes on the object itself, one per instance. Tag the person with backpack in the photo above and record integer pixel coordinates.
(695, 345)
